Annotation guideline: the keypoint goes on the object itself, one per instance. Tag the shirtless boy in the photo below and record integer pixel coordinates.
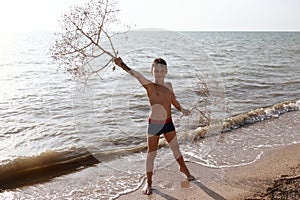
(161, 97)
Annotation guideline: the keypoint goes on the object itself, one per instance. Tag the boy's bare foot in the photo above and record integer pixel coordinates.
(147, 190)
(189, 176)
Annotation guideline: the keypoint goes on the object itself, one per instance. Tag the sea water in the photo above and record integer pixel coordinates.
(46, 114)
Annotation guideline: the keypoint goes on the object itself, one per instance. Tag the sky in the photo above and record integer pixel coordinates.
(177, 15)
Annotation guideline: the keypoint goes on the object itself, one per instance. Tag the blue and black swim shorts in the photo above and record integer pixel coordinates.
(158, 127)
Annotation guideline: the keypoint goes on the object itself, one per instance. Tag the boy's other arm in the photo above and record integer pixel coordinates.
(176, 104)
(145, 82)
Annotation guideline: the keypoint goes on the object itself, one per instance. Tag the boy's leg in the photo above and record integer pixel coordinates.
(172, 140)
(151, 154)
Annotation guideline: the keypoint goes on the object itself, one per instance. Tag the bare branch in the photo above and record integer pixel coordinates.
(84, 36)
(110, 42)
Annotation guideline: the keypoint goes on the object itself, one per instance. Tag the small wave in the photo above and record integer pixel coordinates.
(24, 171)
(292, 82)
(15, 130)
(260, 114)
(111, 154)
(253, 116)
(43, 167)
(270, 66)
(217, 55)
(205, 163)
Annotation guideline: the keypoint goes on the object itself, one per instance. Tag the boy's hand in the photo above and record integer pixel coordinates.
(185, 112)
(118, 61)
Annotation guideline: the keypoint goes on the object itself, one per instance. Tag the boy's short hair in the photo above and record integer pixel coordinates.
(159, 61)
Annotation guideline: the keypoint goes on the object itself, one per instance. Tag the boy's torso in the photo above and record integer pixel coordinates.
(160, 101)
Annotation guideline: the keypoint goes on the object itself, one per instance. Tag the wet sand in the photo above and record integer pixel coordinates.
(244, 182)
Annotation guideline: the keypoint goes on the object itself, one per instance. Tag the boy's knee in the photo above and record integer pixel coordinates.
(175, 150)
(150, 161)
(177, 154)
(151, 154)
(174, 146)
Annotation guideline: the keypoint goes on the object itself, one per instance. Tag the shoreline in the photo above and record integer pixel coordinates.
(236, 183)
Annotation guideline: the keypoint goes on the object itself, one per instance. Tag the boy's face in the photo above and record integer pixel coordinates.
(159, 71)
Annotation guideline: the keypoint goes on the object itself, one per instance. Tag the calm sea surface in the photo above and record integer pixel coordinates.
(43, 109)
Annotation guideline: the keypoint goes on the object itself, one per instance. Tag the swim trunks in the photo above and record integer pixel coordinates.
(158, 127)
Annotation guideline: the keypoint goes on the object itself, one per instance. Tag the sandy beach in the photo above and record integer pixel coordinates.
(277, 170)
(246, 182)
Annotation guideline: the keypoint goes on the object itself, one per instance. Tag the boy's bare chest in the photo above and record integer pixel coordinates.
(160, 94)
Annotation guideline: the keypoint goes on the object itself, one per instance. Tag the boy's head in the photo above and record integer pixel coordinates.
(159, 61)
(159, 68)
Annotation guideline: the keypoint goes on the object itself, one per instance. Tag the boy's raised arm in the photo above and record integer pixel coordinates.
(136, 74)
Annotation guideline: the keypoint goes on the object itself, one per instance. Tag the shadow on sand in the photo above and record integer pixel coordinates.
(168, 197)
(208, 191)
(205, 189)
